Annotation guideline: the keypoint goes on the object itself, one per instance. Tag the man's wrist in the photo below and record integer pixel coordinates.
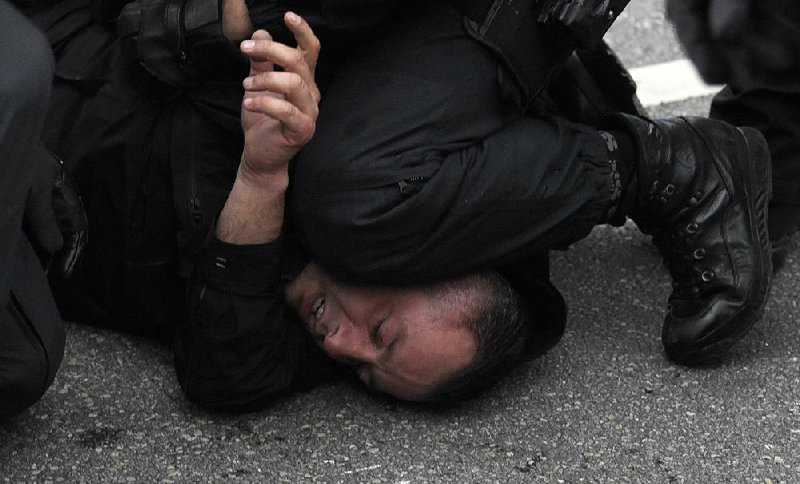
(253, 213)
(273, 180)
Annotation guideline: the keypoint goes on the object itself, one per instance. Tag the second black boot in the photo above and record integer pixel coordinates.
(701, 189)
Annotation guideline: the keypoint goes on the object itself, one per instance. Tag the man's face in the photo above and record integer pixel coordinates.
(398, 340)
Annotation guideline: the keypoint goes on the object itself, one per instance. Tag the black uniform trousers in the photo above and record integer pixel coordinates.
(423, 167)
(773, 109)
(31, 330)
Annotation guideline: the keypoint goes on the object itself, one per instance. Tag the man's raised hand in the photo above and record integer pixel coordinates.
(280, 108)
(279, 116)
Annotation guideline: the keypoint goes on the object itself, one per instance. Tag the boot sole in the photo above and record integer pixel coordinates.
(758, 171)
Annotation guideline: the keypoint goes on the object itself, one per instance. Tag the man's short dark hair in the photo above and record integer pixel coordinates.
(500, 323)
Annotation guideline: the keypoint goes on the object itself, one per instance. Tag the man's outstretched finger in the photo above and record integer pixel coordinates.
(290, 58)
(306, 40)
(256, 65)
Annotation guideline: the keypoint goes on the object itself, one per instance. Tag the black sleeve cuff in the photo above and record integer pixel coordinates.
(247, 269)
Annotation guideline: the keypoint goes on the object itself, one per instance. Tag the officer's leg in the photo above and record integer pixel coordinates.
(32, 345)
(32, 342)
(420, 171)
(773, 110)
(421, 168)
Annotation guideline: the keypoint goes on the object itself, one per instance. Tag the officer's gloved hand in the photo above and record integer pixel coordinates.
(73, 224)
(55, 221)
(738, 41)
(150, 32)
(180, 42)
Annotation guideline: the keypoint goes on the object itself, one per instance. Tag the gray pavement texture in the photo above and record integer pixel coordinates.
(603, 406)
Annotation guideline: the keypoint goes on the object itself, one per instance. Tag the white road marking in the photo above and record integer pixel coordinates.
(370, 468)
(670, 82)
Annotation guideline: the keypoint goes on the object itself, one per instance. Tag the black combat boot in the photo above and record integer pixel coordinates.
(701, 189)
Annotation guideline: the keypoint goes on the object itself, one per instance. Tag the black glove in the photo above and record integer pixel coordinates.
(54, 220)
(180, 42)
(739, 41)
(72, 222)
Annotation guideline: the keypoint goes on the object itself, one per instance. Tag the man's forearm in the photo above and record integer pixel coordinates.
(279, 112)
(253, 213)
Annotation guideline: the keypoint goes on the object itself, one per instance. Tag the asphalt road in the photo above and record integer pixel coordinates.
(603, 406)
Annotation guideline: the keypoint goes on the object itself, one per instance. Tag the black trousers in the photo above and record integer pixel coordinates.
(422, 167)
(775, 111)
(31, 330)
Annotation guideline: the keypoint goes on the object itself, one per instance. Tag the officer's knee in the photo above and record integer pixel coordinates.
(23, 380)
(30, 355)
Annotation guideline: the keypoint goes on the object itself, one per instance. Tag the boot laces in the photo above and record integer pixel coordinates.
(684, 259)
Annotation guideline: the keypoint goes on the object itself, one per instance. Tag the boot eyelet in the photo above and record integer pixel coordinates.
(669, 189)
(692, 228)
(707, 276)
(699, 253)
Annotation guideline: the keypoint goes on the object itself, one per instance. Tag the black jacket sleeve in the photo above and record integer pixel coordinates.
(241, 347)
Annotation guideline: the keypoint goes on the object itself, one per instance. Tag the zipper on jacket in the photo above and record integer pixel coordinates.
(194, 191)
(412, 185)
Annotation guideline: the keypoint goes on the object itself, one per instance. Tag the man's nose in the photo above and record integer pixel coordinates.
(350, 343)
